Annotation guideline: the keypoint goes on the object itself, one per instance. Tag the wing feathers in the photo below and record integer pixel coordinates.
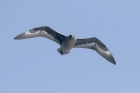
(27, 34)
(105, 53)
(95, 44)
(89, 43)
(44, 31)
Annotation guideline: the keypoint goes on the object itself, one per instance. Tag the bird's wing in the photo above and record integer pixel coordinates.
(43, 31)
(95, 44)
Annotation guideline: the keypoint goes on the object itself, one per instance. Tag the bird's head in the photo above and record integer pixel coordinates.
(72, 36)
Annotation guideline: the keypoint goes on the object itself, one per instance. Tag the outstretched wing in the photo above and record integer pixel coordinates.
(95, 44)
(43, 31)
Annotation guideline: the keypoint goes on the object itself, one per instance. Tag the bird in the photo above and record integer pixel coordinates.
(68, 42)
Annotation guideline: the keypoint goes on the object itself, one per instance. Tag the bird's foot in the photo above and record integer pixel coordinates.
(59, 51)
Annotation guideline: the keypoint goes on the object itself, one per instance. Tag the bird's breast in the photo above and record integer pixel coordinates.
(67, 45)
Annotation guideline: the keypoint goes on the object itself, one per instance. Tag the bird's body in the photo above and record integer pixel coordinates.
(68, 42)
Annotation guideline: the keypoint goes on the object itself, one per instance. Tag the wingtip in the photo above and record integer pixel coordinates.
(113, 61)
(20, 36)
(17, 38)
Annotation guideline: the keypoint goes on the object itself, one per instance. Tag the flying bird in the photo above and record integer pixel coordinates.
(68, 42)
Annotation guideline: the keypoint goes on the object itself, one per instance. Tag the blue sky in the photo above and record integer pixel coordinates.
(35, 66)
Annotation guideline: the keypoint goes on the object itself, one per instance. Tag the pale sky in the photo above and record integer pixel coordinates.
(35, 66)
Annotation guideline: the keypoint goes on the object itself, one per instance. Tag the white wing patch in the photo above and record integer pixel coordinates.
(28, 33)
(45, 34)
(102, 52)
(90, 45)
(105, 52)
(39, 33)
